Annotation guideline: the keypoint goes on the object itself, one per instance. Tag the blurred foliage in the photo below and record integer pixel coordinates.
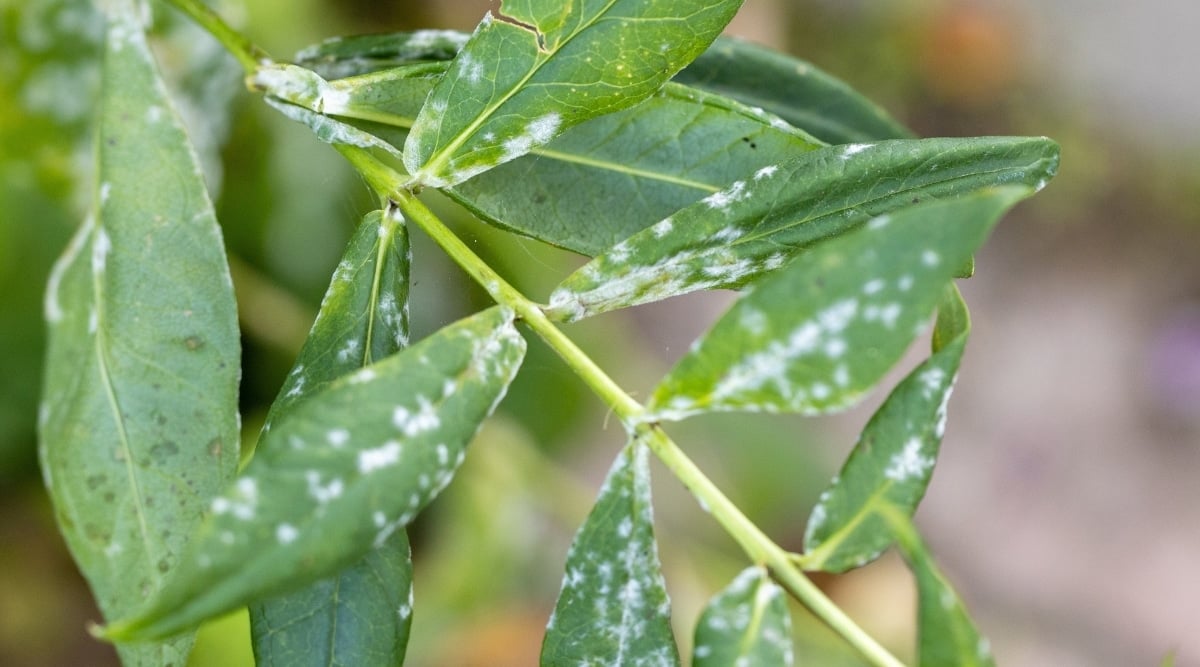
(490, 552)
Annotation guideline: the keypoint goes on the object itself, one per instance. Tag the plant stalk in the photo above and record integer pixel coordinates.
(248, 54)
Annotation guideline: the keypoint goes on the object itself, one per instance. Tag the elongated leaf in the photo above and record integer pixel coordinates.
(746, 624)
(347, 468)
(341, 57)
(814, 337)
(613, 608)
(946, 635)
(757, 224)
(893, 460)
(139, 425)
(793, 89)
(361, 615)
(515, 86)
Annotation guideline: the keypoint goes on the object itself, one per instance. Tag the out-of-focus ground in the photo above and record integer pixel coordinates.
(1065, 506)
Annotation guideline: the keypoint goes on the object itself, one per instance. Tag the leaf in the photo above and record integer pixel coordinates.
(795, 90)
(336, 478)
(946, 635)
(613, 608)
(746, 624)
(341, 57)
(517, 85)
(757, 224)
(362, 614)
(138, 423)
(815, 336)
(893, 460)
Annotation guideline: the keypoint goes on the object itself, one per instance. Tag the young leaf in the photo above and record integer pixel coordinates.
(341, 57)
(945, 633)
(757, 224)
(815, 336)
(746, 624)
(549, 65)
(346, 468)
(893, 460)
(362, 614)
(797, 91)
(613, 608)
(139, 425)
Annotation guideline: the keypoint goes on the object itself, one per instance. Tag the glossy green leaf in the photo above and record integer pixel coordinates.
(758, 223)
(139, 425)
(894, 458)
(817, 335)
(946, 635)
(341, 57)
(613, 608)
(340, 474)
(547, 66)
(795, 90)
(362, 614)
(746, 624)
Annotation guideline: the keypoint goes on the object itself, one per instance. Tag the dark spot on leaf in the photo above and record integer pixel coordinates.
(94, 481)
(753, 145)
(164, 450)
(193, 343)
(163, 565)
(539, 197)
(110, 497)
(916, 200)
(746, 139)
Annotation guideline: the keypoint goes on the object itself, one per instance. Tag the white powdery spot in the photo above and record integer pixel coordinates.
(723, 199)
(879, 222)
(854, 149)
(297, 388)
(323, 493)
(365, 375)
(286, 533)
(841, 376)
(470, 69)
(370, 460)
(904, 283)
(105, 192)
(662, 228)
(113, 549)
(727, 234)
(930, 258)
(932, 380)
(411, 424)
(334, 99)
(908, 463)
(873, 286)
(837, 317)
(154, 114)
(625, 528)
(816, 521)
(889, 314)
(443, 454)
(753, 320)
(835, 348)
(338, 437)
(349, 350)
(766, 172)
(101, 247)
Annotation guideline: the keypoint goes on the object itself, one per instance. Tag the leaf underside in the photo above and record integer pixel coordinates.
(139, 426)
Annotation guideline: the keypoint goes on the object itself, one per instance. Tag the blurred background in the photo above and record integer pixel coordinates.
(1065, 507)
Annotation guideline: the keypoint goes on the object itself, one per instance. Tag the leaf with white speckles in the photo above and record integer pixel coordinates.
(139, 425)
(797, 91)
(894, 458)
(362, 614)
(946, 635)
(746, 624)
(613, 608)
(341, 57)
(549, 65)
(338, 475)
(759, 223)
(814, 337)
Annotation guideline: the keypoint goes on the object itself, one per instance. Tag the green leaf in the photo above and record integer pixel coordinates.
(757, 224)
(795, 90)
(138, 424)
(746, 624)
(613, 608)
(893, 460)
(817, 335)
(946, 635)
(517, 85)
(341, 57)
(340, 474)
(362, 614)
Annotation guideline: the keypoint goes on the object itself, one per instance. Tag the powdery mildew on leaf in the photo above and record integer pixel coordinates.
(613, 608)
(755, 225)
(745, 625)
(343, 500)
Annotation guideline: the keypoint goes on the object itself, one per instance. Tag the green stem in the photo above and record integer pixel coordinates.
(248, 55)
(756, 544)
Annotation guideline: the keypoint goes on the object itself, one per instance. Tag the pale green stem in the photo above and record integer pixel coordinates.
(756, 544)
(248, 55)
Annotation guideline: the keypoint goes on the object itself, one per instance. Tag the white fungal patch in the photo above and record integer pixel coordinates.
(766, 172)
(470, 69)
(443, 454)
(349, 350)
(932, 380)
(879, 222)
(154, 114)
(873, 286)
(909, 463)
(537, 132)
(365, 375)
(904, 282)
(337, 437)
(101, 247)
(297, 387)
(725, 198)
(835, 348)
(662, 228)
(323, 493)
(413, 424)
(286, 533)
(105, 192)
(370, 460)
(889, 314)
(753, 321)
(855, 149)
(841, 376)
(113, 549)
(930, 258)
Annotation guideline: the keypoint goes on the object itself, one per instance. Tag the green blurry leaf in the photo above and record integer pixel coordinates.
(361, 615)
(795, 90)
(139, 425)
(894, 458)
(517, 85)
(757, 224)
(815, 336)
(946, 635)
(746, 624)
(341, 473)
(613, 608)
